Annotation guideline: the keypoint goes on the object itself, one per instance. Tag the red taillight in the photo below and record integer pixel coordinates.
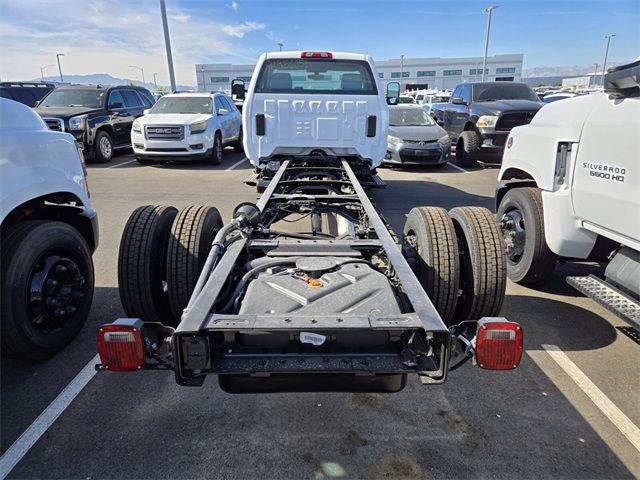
(498, 345)
(316, 55)
(120, 347)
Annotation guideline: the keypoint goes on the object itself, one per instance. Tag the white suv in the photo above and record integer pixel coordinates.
(187, 126)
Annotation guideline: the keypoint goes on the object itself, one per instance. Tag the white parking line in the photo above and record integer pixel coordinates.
(457, 167)
(41, 424)
(123, 163)
(236, 164)
(606, 406)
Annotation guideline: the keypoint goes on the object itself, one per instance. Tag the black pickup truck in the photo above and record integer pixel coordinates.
(479, 116)
(99, 117)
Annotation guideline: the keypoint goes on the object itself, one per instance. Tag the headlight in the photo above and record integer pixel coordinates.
(487, 121)
(136, 127)
(444, 140)
(78, 123)
(198, 127)
(394, 140)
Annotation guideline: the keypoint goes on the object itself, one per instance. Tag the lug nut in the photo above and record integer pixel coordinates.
(51, 302)
(61, 269)
(71, 309)
(52, 283)
(59, 312)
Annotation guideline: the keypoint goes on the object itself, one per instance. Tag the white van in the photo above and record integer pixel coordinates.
(315, 103)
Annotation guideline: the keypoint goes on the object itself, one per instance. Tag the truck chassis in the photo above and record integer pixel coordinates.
(320, 351)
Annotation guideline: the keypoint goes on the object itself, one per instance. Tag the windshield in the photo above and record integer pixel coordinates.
(74, 98)
(409, 117)
(293, 75)
(419, 98)
(183, 105)
(440, 99)
(407, 100)
(507, 91)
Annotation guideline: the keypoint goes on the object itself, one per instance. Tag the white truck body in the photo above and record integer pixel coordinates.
(35, 161)
(334, 120)
(569, 188)
(600, 192)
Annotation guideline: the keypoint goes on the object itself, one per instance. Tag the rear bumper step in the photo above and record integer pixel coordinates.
(608, 296)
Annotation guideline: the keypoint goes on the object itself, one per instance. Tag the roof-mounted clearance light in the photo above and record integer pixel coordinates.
(316, 55)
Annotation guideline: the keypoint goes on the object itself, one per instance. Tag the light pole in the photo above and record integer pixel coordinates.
(142, 70)
(155, 81)
(401, 71)
(595, 76)
(488, 10)
(280, 44)
(58, 55)
(204, 87)
(167, 43)
(42, 70)
(606, 54)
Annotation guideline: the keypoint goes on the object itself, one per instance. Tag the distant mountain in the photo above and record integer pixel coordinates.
(566, 71)
(106, 79)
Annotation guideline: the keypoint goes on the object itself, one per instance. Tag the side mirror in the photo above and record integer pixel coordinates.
(393, 93)
(223, 111)
(458, 101)
(146, 111)
(113, 105)
(237, 89)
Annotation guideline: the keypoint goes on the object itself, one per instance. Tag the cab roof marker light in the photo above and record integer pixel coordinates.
(316, 55)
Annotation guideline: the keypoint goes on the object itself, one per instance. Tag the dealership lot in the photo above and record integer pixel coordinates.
(541, 420)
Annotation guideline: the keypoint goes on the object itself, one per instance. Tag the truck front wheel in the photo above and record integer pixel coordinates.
(47, 288)
(520, 214)
(467, 149)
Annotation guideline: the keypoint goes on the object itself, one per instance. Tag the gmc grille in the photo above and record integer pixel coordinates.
(514, 119)
(56, 124)
(163, 132)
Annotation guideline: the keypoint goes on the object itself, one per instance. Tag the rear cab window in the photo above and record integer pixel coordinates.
(316, 76)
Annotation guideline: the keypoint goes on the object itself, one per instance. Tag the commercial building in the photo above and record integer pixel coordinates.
(436, 72)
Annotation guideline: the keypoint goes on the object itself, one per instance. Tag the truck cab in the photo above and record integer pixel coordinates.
(569, 183)
(315, 103)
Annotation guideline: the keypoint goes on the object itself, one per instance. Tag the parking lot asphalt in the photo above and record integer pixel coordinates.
(542, 420)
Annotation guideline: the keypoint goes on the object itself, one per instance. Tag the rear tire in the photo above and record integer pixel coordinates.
(430, 240)
(483, 276)
(521, 218)
(46, 288)
(216, 152)
(142, 277)
(467, 149)
(238, 147)
(192, 234)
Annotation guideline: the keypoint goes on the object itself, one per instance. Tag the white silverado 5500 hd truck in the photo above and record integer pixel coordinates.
(47, 235)
(307, 290)
(569, 188)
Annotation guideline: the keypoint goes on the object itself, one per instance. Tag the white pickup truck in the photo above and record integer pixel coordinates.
(569, 188)
(48, 233)
(322, 104)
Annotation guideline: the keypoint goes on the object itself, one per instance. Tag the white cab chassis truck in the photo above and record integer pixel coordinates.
(307, 290)
(569, 188)
(47, 235)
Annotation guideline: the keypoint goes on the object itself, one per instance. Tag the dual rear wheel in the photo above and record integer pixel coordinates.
(162, 252)
(459, 259)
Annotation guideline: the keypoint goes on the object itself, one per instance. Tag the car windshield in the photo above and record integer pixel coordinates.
(508, 91)
(91, 98)
(407, 100)
(183, 105)
(440, 99)
(297, 75)
(409, 117)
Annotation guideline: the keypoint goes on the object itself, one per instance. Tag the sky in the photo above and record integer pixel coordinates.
(108, 36)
